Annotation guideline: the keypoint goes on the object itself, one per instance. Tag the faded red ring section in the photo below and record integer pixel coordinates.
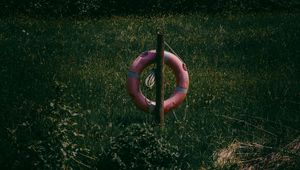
(181, 74)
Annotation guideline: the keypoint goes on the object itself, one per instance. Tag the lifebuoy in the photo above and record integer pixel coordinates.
(133, 81)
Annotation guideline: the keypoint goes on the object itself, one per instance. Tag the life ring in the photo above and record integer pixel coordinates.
(133, 82)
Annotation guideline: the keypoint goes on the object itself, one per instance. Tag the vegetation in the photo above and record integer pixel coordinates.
(64, 103)
(56, 8)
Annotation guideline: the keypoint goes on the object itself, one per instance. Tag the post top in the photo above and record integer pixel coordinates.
(159, 31)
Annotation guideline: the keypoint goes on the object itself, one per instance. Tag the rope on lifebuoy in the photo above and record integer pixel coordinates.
(150, 80)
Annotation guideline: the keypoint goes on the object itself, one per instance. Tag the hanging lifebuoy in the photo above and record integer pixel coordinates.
(133, 81)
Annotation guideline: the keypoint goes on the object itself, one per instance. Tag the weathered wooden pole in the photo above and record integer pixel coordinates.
(159, 108)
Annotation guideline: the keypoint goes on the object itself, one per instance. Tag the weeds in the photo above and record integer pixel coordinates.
(64, 103)
(140, 146)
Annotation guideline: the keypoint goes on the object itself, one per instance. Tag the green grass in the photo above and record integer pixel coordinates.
(244, 76)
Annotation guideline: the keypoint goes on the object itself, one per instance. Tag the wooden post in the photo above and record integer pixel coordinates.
(159, 108)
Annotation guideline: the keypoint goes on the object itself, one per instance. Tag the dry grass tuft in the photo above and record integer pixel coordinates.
(248, 156)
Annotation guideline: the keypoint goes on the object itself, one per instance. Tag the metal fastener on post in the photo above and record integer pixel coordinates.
(159, 108)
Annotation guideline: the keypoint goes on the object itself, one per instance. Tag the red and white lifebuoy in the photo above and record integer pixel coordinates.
(133, 81)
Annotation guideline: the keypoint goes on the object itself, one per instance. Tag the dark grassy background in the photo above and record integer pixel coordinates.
(63, 86)
(94, 8)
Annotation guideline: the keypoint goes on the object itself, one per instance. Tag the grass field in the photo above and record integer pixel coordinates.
(69, 75)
